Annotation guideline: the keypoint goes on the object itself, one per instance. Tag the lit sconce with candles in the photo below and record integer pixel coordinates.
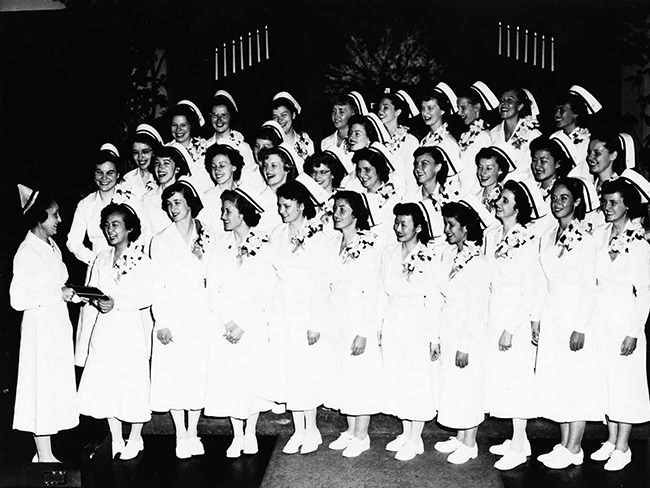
(225, 58)
(543, 46)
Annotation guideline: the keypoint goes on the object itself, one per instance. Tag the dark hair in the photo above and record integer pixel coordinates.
(371, 132)
(289, 166)
(293, 190)
(37, 213)
(631, 197)
(233, 155)
(192, 199)
(577, 104)
(325, 159)
(442, 101)
(189, 114)
(154, 145)
(473, 97)
(130, 218)
(268, 134)
(415, 212)
(490, 153)
(249, 214)
(398, 104)
(223, 100)
(359, 210)
(376, 160)
(174, 155)
(344, 99)
(564, 162)
(467, 217)
(612, 143)
(105, 156)
(285, 102)
(576, 188)
(522, 204)
(523, 99)
(438, 158)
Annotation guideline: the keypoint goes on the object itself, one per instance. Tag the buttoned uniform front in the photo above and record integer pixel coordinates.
(355, 383)
(115, 381)
(514, 293)
(623, 300)
(411, 321)
(180, 303)
(569, 386)
(241, 285)
(519, 151)
(299, 304)
(133, 181)
(46, 399)
(463, 328)
(402, 145)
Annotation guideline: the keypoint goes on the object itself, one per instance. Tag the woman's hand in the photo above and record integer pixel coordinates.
(358, 346)
(67, 294)
(505, 341)
(312, 337)
(434, 351)
(165, 336)
(234, 333)
(105, 305)
(628, 346)
(577, 341)
(462, 359)
(534, 329)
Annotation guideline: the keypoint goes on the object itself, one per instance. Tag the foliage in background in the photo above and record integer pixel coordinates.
(391, 59)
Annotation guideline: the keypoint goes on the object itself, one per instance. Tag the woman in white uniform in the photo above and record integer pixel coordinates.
(410, 331)
(492, 166)
(144, 144)
(512, 252)
(463, 329)
(278, 166)
(238, 348)
(46, 392)
(286, 111)
(623, 277)
(298, 316)
(605, 157)
(179, 365)
(115, 381)
(355, 356)
(569, 385)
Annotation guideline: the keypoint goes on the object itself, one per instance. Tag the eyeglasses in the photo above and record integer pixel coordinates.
(321, 172)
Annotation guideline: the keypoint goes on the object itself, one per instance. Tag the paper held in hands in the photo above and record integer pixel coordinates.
(88, 292)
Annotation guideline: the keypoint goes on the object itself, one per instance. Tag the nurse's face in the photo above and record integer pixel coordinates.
(404, 228)
(51, 224)
(368, 176)
(425, 169)
(259, 145)
(115, 230)
(343, 217)
(613, 207)
(220, 119)
(273, 171)
(563, 205)
(387, 113)
(431, 112)
(323, 176)
(455, 233)
(467, 111)
(505, 206)
(142, 154)
(221, 169)
(340, 115)
(543, 165)
(106, 176)
(487, 172)
(599, 158)
(564, 116)
(284, 116)
(165, 170)
(181, 129)
(290, 210)
(509, 105)
(230, 216)
(358, 137)
(177, 208)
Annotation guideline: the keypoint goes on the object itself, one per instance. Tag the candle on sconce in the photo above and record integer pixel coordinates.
(535, 49)
(552, 53)
(543, 50)
(241, 53)
(500, 36)
(250, 51)
(225, 61)
(257, 36)
(216, 64)
(266, 40)
(517, 46)
(508, 40)
(234, 58)
(526, 47)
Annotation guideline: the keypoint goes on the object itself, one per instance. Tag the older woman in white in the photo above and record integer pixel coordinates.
(569, 385)
(356, 359)
(512, 252)
(410, 343)
(179, 363)
(623, 301)
(297, 322)
(85, 224)
(115, 381)
(45, 391)
(463, 334)
(238, 349)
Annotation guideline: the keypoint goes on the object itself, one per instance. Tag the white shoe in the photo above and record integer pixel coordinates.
(356, 447)
(342, 442)
(463, 454)
(409, 450)
(605, 451)
(293, 446)
(236, 448)
(450, 445)
(618, 460)
(510, 460)
(132, 449)
(502, 449)
(183, 450)
(250, 444)
(564, 458)
(545, 457)
(396, 444)
(196, 446)
(311, 442)
(117, 447)
(279, 408)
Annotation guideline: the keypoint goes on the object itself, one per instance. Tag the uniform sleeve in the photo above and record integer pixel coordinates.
(76, 236)
(28, 290)
(478, 286)
(641, 283)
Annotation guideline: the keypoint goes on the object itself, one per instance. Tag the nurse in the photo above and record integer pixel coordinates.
(286, 111)
(46, 392)
(144, 144)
